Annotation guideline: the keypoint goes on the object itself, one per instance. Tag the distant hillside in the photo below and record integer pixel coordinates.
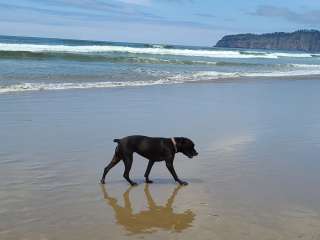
(302, 40)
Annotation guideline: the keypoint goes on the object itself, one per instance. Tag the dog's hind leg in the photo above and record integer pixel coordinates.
(127, 159)
(116, 158)
(146, 175)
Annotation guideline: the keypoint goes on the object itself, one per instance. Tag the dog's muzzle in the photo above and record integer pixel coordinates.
(193, 154)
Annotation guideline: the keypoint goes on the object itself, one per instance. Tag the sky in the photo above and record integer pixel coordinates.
(185, 22)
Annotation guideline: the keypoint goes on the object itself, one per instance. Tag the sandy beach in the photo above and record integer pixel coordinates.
(256, 176)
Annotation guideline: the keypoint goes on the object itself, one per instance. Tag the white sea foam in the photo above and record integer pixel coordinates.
(214, 75)
(312, 66)
(82, 85)
(148, 50)
(292, 55)
(179, 78)
(217, 75)
(158, 46)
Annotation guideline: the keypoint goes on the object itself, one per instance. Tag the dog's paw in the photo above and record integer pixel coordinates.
(134, 184)
(102, 181)
(183, 183)
(149, 181)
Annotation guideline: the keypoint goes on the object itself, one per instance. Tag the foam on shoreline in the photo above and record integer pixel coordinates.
(179, 78)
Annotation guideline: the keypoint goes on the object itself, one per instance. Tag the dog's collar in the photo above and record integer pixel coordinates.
(174, 145)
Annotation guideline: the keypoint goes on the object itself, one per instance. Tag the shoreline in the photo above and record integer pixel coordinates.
(82, 86)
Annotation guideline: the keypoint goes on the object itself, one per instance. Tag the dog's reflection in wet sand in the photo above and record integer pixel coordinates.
(155, 218)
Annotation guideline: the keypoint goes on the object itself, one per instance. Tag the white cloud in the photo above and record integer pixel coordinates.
(136, 2)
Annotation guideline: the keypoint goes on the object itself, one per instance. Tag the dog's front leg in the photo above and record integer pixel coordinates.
(169, 164)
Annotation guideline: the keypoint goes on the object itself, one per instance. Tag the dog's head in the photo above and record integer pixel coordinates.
(186, 146)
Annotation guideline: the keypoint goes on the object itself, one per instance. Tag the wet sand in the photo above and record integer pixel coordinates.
(256, 176)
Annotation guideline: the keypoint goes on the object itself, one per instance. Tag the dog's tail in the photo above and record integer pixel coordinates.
(116, 140)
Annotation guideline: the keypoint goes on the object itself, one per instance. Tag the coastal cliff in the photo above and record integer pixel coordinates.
(302, 40)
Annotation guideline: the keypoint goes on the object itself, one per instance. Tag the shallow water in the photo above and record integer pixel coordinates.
(256, 176)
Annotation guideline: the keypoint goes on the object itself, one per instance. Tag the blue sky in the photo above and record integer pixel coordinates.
(189, 22)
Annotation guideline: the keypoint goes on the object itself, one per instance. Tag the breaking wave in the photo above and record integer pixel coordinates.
(6, 48)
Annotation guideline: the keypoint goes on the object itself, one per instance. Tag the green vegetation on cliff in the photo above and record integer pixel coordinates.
(302, 40)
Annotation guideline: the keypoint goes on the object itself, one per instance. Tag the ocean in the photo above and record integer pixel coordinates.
(34, 64)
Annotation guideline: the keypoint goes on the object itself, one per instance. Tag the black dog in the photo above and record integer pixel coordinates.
(154, 149)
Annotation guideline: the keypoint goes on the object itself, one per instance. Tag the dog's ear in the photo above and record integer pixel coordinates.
(182, 140)
(186, 140)
(179, 141)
